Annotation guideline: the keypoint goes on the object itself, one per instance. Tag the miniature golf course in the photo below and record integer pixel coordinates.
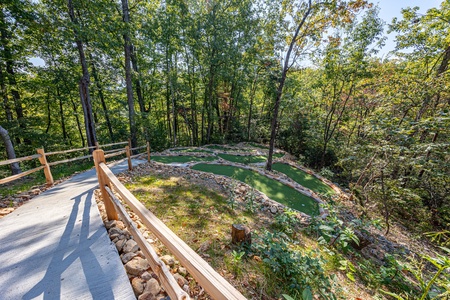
(307, 180)
(181, 159)
(272, 188)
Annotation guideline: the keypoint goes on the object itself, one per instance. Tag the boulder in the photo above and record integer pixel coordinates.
(130, 246)
(138, 285)
(153, 287)
(137, 266)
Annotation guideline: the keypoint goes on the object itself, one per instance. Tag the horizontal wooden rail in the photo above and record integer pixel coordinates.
(113, 150)
(14, 177)
(14, 160)
(115, 154)
(69, 160)
(205, 275)
(68, 151)
(137, 148)
(159, 268)
(113, 144)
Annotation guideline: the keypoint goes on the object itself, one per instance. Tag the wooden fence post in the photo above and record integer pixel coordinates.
(128, 152)
(148, 151)
(43, 161)
(97, 146)
(99, 157)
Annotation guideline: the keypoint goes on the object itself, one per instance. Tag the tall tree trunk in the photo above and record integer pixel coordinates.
(15, 168)
(286, 67)
(137, 80)
(128, 75)
(7, 55)
(49, 113)
(4, 92)
(61, 114)
(102, 98)
(85, 98)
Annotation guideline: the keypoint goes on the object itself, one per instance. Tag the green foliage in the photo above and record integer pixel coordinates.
(302, 272)
(433, 286)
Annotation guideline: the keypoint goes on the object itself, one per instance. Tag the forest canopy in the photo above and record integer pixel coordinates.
(303, 75)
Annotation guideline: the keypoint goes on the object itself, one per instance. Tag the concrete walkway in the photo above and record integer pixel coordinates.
(56, 247)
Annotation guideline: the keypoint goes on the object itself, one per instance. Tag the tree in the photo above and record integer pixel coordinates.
(11, 154)
(85, 97)
(311, 19)
(128, 75)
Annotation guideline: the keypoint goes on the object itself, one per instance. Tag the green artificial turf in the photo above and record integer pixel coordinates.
(181, 159)
(260, 146)
(184, 150)
(303, 178)
(217, 147)
(247, 159)
(243, 159)
(272, 188)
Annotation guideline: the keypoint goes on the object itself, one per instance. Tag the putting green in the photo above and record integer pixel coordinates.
(242, 159)
(181, 159)
(273, 189)
(303, 178)
(247, 159)
(184, 150)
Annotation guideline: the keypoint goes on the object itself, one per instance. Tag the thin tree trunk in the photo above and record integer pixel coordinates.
(4, 92)
(85, 98)
(102, 98)
(49, 113)
(15, 168)
(7, 55)
(61, 113)
(280, 88)
(128, 75)
(137, 80)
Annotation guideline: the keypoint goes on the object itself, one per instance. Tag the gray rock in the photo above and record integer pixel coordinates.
(182, 271)
(153, 287)
(128, 256)
(115, 230)
(137, 266)
(147, 296)
(110, 224)
(273, 209)
(138, 286)
(130, 246)
(186, 289)
(120, 244)
(168, 260)
(146, 276)
(180, 280)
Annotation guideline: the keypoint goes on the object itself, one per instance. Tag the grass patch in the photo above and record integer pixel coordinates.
(181, 159)
(201, 218)
(243, 159)
(303, 178)
(38, 178)
(272, 188)
(247, 159)
(217, 147)
(256, 145)
(188, 150)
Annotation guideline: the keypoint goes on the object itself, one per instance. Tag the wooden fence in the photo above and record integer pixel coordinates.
(45, 165)
(204, 274)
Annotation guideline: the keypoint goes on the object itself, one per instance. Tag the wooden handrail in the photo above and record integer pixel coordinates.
(205, 275)
(14, 160)
(67, 151)
(137, 148)
(14, 177)
(159, 268)
(115, 153)
(69, 160)
(113, 144)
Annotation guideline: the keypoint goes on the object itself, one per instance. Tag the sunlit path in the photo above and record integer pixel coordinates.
(56, 247)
